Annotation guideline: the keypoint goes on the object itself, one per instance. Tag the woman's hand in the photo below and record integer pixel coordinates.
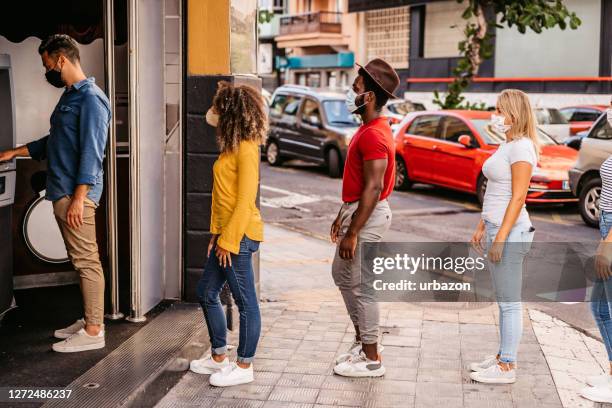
(476, 240)
(211, 244)
(224, 256)
(496, 251)
(603, 258)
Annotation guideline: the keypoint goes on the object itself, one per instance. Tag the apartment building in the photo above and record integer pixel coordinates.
(420, 38)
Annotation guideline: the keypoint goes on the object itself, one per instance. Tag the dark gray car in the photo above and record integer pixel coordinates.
(309, 124)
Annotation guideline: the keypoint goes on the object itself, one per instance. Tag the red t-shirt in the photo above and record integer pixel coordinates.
(372, 141)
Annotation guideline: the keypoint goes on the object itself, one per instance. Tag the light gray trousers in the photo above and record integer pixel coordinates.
(361, 307)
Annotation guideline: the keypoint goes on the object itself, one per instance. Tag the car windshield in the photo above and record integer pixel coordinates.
(404, 107)
(550, 117)
(493, 138)
(338, 114)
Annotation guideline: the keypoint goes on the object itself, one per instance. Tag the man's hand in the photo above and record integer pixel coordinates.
(74, 215)
(335, 229)
(7, 155)
(348, 245)
(224, 256)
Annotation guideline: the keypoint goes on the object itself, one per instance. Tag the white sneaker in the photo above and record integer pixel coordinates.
(360, 366)
(354, 351)
(207, 365)
(494, 375)
(597, 394)
(70, 330)
(232, 375)
(601, 380)
(484, 364)
(80, 341)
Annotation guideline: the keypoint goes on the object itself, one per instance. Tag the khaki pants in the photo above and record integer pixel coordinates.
(361, 307)
(82, 250)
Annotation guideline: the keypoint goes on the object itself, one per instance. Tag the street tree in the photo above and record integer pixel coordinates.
(480, 16)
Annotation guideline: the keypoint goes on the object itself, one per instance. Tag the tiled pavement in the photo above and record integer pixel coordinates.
(427, 347)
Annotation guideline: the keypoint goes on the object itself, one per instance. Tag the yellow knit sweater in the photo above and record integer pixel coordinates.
(234, 213)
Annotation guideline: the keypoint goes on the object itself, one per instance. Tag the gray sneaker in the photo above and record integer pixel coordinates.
(353, 351)
(80, 341)
(70, 330)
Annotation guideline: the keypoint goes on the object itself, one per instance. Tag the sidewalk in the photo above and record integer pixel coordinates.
(427, 348)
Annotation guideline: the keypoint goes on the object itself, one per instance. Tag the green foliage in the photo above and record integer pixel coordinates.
(264, 16)
(477, 46)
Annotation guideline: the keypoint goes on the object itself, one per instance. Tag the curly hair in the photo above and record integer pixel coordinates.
(241, 116)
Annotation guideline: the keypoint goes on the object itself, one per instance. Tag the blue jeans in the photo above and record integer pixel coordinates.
(241, 281)
(602, 293)
(507, 277)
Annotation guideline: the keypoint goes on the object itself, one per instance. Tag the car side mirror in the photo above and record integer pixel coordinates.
(466, 141)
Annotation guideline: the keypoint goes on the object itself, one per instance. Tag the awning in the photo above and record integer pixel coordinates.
(340, 60)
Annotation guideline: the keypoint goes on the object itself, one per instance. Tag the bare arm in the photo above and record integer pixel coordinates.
(373, 174)
(17, 152)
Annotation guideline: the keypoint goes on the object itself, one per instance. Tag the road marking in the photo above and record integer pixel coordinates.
(288, 200)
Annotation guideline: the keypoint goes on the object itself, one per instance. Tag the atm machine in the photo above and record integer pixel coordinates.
(7, 184)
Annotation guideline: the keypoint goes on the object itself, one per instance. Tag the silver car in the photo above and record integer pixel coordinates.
(584, 177)
(551, 121)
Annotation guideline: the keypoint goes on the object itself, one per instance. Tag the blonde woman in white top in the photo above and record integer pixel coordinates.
(505, 227)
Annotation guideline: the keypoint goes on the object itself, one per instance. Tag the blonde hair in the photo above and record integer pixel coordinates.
(514, 104)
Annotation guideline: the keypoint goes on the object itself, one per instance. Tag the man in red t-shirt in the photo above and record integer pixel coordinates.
(365, 216)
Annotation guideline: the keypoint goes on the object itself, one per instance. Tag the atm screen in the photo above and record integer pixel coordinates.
(2, 185)
(6, 111)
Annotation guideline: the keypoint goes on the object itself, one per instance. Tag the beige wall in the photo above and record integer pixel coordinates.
(441, 39)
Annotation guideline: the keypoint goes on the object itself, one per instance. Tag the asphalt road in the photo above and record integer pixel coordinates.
(302, 197)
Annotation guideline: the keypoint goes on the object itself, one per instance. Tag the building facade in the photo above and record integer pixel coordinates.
(159, 62)
(317, 38)
(556, 67)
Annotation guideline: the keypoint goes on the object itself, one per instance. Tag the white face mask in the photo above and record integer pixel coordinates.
(351, 97)
(212, 118)
(609, 116)
(497, 123)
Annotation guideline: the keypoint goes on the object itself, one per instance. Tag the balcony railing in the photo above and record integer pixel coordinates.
(320, 21)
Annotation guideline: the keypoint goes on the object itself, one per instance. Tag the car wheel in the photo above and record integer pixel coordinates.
(273, 154)
(589, 202)
(402, 182)
(481, 188)
(334, 167)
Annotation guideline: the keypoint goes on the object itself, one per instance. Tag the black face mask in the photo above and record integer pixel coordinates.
(55, 78)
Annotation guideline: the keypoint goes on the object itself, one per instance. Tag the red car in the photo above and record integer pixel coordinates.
(448, 148)
(581, 117)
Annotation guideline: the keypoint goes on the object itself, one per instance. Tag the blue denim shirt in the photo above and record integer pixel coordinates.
(74, 148)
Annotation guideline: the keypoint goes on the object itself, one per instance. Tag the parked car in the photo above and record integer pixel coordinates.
(551, 121)
(582, 117)
(310, 124)
(576, 141)
(584, 177)
(448, 148)
(396, 109)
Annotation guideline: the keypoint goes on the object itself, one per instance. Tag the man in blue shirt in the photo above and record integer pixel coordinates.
(74, 149)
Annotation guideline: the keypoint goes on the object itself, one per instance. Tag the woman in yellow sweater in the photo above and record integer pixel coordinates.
(239, 117)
